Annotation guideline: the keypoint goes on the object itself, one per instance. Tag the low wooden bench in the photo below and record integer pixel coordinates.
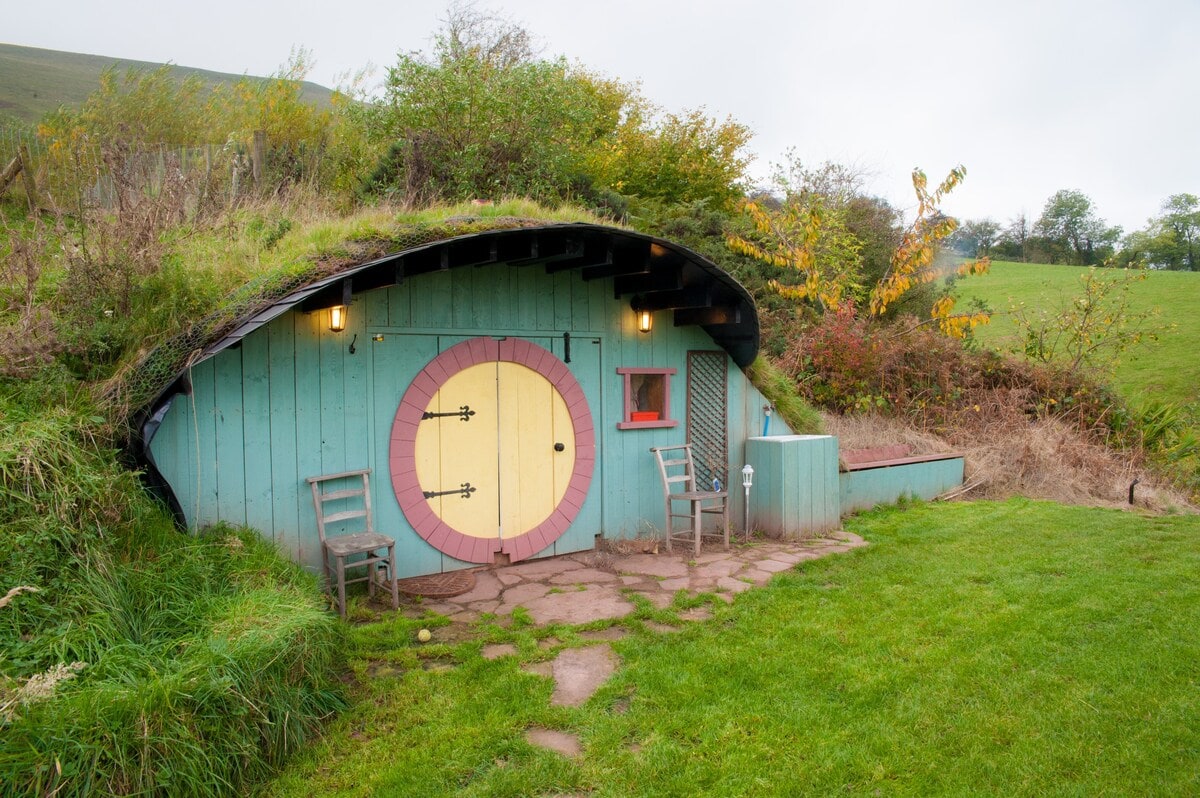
(885, 474)
(884, 456)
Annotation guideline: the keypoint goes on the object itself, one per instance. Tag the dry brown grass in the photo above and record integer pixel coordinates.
(1008, 453)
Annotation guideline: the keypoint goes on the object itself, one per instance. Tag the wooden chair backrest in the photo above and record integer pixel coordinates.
(671, 458)
(321, 496)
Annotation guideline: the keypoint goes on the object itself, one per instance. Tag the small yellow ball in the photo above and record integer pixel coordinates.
(424, 636)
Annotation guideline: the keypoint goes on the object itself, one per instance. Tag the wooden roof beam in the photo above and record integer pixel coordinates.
(592, 254)
(719, 314)
(668, 279)
(473, 252)
(629, 257)
(696, 296)
(549, 247)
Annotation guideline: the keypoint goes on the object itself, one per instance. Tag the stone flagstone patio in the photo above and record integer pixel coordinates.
(594, 585)
(597, 585)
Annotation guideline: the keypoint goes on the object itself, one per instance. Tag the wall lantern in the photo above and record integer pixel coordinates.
(337, 313)
(337, 318)
(747, 480)
(643, 315)
(644, 320)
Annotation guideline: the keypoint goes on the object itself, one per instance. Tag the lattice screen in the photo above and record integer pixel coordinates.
(707, 417)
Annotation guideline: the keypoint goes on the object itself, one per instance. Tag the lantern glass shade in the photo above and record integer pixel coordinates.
(747, 475)
(644, 320)
(337, 318)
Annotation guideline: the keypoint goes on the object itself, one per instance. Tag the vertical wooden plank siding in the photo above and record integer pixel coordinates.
(174, 452)
(462, 292)
(332, 387)
(355, 397)
(399, 302)
(257, 423)
(373, 306)
(308, 427)
(203, 387)
(230, 443)
(394, 362)
(528, 299)
(432, 300)
(296, 403)
(286, 480)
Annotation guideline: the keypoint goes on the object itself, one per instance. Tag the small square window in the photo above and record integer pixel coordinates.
(647, 400)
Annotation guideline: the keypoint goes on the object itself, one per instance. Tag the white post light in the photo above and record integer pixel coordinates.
(747, 480)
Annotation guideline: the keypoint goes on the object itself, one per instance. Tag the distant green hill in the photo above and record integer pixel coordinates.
(1166, 369)
(34, 82)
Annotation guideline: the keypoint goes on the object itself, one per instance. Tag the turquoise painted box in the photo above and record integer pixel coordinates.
(795, 488)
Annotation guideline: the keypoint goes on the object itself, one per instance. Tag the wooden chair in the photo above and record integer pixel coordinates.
(676, 467)
(340, 547)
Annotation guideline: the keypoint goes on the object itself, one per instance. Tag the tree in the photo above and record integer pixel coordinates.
(296, 131)
(1172, 239)
(808, 235)
(1090, 329)
(675, 158)
(1014, 238)
(1070, 232)
(913, 261)
(483, 117)
(975, 238)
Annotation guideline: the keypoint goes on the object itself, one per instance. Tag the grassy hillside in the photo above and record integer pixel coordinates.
(1167, 369)
(35, 81)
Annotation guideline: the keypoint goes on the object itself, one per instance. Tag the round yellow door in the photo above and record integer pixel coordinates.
(492, 450)
(495, 451)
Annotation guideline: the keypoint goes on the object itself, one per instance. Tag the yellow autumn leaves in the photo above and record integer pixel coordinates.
(825, 254)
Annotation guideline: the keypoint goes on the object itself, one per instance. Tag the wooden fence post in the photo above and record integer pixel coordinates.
(27, 176)
(9, 174)
(258, 159)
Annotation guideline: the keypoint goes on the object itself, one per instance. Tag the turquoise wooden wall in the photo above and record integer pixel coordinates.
(292, 401)
(862, 490)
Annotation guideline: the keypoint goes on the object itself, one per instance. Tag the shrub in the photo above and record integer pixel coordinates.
(146, 661)
(846, 364)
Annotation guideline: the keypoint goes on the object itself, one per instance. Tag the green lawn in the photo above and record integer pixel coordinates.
(1168, 369)
(1015, 648)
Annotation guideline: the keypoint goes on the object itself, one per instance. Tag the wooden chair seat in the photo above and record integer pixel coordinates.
(689, 495)
(359, 543)
(349, 504)
(676, 467)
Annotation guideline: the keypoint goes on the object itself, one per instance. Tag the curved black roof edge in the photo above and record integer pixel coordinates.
(655, 273)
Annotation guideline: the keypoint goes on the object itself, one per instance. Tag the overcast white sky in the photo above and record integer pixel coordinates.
(1030, 95)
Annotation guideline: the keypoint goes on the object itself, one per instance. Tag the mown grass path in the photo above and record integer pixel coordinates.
(1014, 648)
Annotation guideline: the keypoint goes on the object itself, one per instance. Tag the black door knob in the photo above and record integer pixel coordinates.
(558, 447)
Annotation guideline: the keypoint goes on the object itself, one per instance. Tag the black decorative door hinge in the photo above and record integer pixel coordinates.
(465, 490)
(464, 413)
